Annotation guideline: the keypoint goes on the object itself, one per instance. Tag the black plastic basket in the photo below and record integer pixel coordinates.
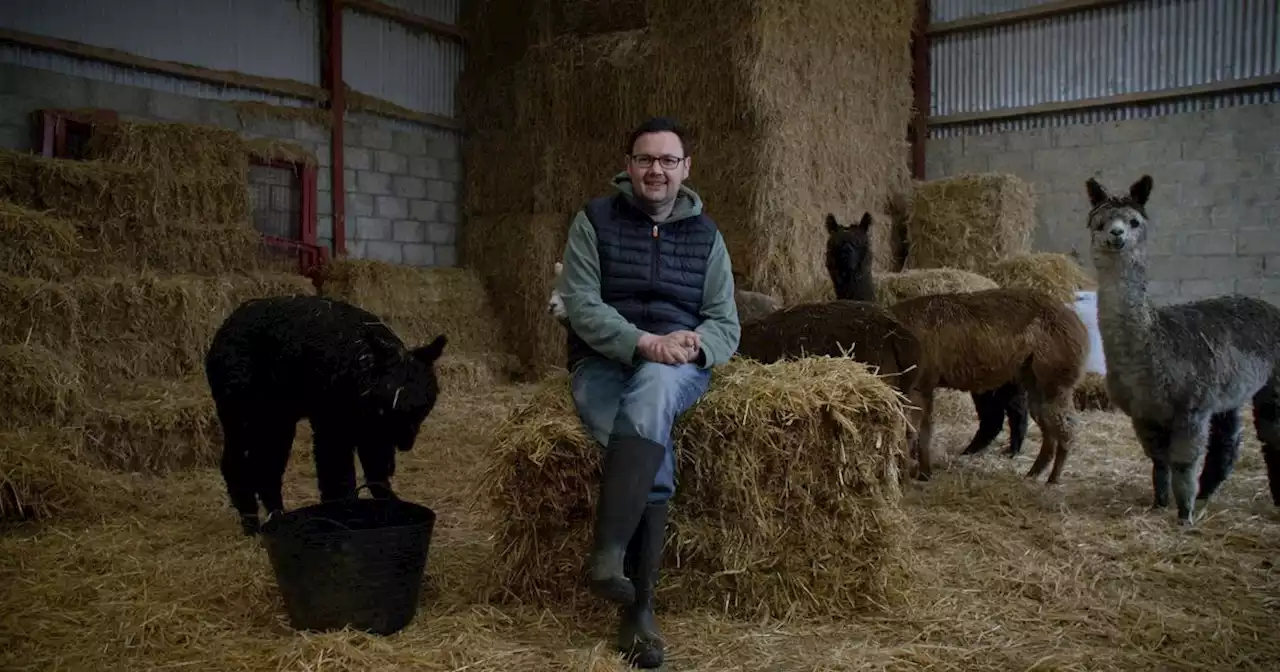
(355, 562)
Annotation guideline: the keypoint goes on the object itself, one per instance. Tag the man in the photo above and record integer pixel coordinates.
(648, 292)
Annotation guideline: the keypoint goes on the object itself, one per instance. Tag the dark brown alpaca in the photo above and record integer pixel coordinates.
(835, 328)
(980, 342)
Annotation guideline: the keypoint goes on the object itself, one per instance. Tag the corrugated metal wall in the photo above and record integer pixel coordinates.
(1135, 47)
(268, 38)
(384, 59)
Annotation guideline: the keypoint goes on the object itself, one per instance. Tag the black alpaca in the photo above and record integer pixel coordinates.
(276, 360)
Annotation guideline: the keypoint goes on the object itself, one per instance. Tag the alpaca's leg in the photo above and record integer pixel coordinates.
(1266, 421)
(237, 473)
(1186, 451)
(1039, 412)
(1062, 423)
(270, 459)
(990, 406)
(1016, 409)
(1155, 443)
(924, 433)
(1221, 451)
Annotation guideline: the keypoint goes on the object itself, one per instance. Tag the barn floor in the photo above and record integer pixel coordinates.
(1015, 577)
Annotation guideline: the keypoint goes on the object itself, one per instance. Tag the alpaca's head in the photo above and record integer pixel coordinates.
(555, 304)
(1118, 224)
(848, 253)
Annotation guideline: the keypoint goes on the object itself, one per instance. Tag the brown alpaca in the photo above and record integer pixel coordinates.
(834, 328)
(978, 342)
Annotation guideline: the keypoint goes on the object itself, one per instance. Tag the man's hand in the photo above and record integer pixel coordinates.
(678, 347)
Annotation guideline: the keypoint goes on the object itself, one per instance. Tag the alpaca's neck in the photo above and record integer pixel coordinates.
(859, 288)
(1126, 316)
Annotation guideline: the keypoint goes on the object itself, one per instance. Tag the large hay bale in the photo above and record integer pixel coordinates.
(519, 290)
(38, 387)
(770, 164)
(894, 287)
(35, 244)
(1055, 274)
(1092, 394)
(422, 303)
(98, 190)
(177, 149)
(43, 475)
(787, 502)
(130, 327)
(970, 221)
(153, 427)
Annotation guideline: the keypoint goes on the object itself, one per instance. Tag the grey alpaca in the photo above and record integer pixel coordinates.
(1181, 372)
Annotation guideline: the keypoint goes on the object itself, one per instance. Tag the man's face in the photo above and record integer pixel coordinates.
(656, 183)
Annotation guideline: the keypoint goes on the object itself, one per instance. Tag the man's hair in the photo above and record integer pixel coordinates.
(660, 125)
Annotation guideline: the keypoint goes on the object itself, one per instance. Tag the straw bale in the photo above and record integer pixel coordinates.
(1057, 275)
(518, 289)
(34, 243)
(248, 111)
(37, 245)
(38, 386)
(43, 476)
(153, 427)
(970, 221)
(271, 149)
(99, 190)
(769, 164)
(422, 303)
(1092, 395)
(171, 148)
(813, 446)
(894, 287)
(133, 326)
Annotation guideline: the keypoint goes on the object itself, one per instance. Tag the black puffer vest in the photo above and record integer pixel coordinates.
(651, 274)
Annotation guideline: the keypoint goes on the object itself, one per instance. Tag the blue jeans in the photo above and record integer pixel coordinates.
(643, 401)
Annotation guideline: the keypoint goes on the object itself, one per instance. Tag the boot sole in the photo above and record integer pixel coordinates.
(616, 590)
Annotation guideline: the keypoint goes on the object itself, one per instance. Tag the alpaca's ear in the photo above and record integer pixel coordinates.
(1140, 191)
(865, 222)
(1097, 194)
(430, 352)
(832, 224)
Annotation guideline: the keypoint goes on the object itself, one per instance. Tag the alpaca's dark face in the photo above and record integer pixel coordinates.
(848, 252)
(1118, 224)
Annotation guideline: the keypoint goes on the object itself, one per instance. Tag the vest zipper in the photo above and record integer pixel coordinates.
(653, 267)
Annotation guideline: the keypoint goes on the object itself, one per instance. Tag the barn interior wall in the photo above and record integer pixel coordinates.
(402, 180)
(1216, 204)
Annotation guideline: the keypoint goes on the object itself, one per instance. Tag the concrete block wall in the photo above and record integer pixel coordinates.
(402, 181)
(1215, 206)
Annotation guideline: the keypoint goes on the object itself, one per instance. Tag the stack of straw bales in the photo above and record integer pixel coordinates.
(787, 500)
(114, 273)
(556, 102)
(419, 304)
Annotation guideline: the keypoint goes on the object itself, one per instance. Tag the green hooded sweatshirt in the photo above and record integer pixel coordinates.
(610, 334)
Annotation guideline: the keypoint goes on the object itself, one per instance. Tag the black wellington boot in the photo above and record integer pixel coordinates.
(626, 478)
(638, 636)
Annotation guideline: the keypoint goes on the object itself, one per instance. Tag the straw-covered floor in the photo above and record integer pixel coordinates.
(769, 164)
(151, 573)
